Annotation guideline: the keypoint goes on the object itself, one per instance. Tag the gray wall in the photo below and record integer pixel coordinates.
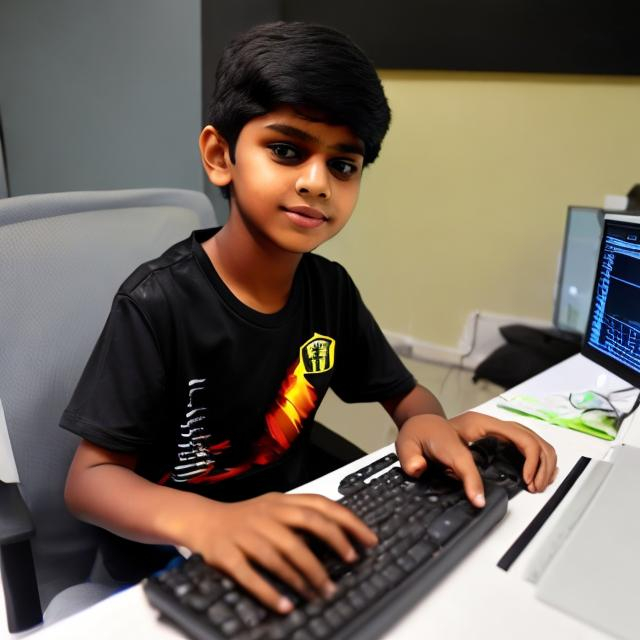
(100, 94)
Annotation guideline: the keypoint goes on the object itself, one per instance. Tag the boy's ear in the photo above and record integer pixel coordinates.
(215, 155)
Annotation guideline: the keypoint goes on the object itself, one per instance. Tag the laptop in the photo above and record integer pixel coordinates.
(589, 566)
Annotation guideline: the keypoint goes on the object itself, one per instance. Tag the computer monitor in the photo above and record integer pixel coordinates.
(577, 268)
(612, 338)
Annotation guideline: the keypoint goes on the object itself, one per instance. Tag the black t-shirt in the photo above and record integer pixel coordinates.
(214, 396)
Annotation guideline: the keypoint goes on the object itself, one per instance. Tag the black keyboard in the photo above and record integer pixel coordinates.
(425, 527)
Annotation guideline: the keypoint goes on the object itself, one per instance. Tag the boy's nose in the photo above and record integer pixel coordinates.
(313, 180)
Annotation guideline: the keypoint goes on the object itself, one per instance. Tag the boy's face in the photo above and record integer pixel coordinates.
(295, 181)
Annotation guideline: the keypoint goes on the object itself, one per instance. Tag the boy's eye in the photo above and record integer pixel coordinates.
(343, 168)
(284, 151)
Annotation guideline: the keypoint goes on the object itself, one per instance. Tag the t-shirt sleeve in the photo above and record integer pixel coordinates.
(119, 400)
(367, 368)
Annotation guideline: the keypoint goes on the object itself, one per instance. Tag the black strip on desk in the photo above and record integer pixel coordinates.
(534, 526)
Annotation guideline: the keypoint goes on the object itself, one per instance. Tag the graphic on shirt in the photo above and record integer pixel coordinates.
(297, 397)
(200, 460)
(317, 353)
(194, 457)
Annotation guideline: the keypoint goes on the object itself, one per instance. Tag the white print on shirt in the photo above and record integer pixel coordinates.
(193, 455)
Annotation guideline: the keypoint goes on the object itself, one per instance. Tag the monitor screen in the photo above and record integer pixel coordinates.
(612, 338)
(577, 268)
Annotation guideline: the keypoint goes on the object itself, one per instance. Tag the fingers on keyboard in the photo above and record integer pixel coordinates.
(279, 566)
(247, 577)
(298, 555)
(285, 554)
(346, 521)
(465, 468)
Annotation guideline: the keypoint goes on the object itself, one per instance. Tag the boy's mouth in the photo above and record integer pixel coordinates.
(305, 216)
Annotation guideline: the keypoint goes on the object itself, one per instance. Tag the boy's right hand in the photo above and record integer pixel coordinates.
(266, 531)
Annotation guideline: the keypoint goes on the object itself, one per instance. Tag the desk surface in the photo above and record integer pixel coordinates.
(477, 599)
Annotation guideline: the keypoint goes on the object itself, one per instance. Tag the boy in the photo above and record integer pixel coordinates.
(215, 356)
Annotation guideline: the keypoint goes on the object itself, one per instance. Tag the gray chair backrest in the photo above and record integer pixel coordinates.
(45, 205)
(59, 271)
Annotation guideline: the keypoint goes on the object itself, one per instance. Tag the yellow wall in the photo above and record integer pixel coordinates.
(465, 207)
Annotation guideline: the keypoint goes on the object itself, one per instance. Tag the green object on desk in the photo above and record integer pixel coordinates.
(558, 410)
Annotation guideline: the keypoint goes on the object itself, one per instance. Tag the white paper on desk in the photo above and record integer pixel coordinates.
(8, 471)
(594, 576)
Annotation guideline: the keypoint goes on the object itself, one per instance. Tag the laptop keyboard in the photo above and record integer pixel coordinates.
(425, 527)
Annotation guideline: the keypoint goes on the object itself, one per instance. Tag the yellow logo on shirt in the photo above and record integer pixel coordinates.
(317, 354)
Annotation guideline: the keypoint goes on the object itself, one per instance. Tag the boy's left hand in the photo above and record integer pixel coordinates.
(431, 436)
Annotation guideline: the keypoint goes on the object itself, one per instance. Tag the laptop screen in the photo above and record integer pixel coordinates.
(612, 338)
(577, 268)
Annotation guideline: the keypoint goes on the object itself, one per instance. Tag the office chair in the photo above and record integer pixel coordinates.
(62, 258)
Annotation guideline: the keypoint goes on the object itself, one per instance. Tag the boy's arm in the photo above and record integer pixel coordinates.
(426, 433)
(103, 489)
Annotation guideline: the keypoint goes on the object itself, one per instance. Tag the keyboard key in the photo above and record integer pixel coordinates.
(407, 563)
(369, 591)
(379, 515)
(380, 582)
(210, 587)
(355, 599)
(400, 546)
(391, 526)
(412, 531)
(393, 573)
(345, 609)
(230, 627)
(314, 608)
(451, 499)
(448, 524)
(294, 620)
(319, 628)
(183, 589)
(276, 632)
(199, 602)
(333, 617)
(251, 614)
(219, 613)
(259, 633)
(422, 551)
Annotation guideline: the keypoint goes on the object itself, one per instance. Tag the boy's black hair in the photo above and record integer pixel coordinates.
(303, 65)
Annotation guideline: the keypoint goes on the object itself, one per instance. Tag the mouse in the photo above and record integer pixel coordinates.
(500, 462)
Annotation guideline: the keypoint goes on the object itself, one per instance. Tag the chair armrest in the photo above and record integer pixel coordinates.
(16, 523)
(19, 582)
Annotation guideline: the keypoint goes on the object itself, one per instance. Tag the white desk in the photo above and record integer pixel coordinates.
(476, 600)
